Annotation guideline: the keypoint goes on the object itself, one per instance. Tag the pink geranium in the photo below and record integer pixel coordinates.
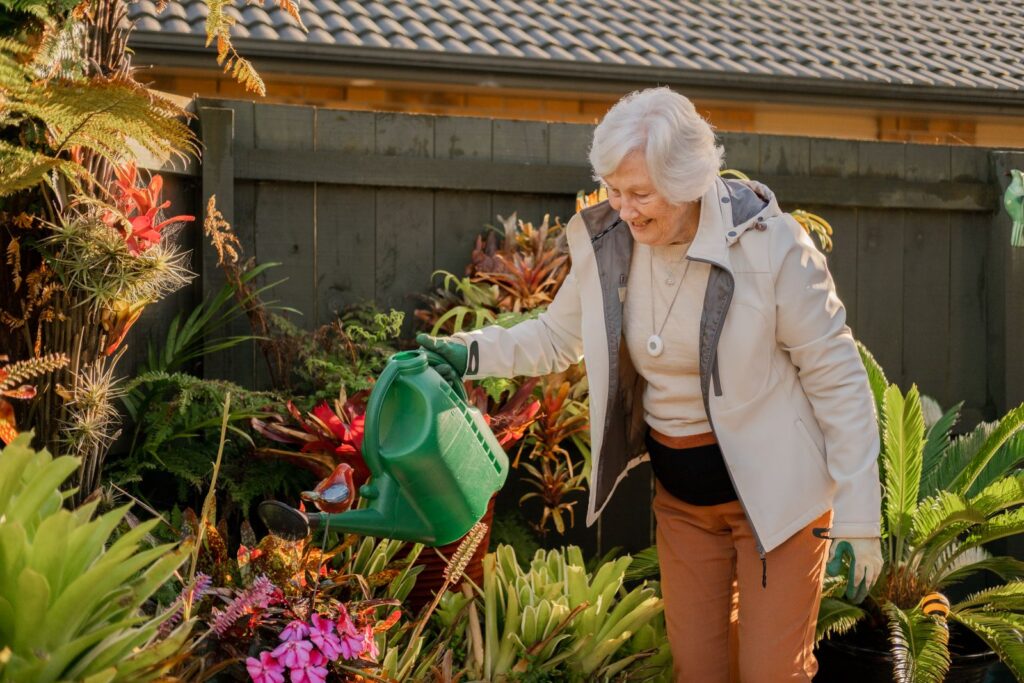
(294, 654)
(266, 669)
(344, 623)
(309, 674)
(322, 635)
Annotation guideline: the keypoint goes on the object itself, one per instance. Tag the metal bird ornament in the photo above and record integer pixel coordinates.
(1013, 201)
(334, 494)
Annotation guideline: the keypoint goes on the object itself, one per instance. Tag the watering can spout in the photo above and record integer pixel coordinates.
(433, 460)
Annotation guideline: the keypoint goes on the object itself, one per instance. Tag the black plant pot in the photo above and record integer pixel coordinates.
(854, 659)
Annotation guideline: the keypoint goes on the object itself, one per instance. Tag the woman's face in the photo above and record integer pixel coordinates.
(651, 218)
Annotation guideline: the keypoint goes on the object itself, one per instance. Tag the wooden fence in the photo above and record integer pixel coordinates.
(366, 206)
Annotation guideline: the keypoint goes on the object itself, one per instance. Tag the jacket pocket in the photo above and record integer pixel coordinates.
(817, 452)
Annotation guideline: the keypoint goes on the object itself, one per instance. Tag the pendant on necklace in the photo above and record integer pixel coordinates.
(654, 345)
(670, 281)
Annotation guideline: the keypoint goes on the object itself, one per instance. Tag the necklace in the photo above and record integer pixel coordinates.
(655, 345)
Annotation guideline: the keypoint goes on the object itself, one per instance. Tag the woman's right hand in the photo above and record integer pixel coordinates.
(447, 356)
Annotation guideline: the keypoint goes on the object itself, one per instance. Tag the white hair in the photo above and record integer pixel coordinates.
(678, 144)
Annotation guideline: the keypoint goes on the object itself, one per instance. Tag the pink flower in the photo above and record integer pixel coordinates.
(351, 645)
(345, 625)
(296, 630)
(266, 669)
(309, 674)
(370, 650)
(293, 653)
(317, 658)
(322, 635)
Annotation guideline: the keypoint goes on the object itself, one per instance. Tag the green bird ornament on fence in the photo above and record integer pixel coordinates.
(1013, 200)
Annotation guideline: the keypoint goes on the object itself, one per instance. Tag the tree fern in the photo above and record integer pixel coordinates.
(920, 645)
(903, 440)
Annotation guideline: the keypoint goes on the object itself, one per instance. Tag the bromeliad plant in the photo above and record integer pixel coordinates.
(556, 621)
(71, 594)
(943, 500)
(513, 275)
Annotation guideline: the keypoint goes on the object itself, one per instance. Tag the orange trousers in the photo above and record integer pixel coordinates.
(723, 626)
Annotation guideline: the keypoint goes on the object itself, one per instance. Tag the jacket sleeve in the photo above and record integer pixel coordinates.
(549, 343)
(811, 327)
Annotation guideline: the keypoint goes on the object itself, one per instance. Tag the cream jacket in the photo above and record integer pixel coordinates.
(784, 388)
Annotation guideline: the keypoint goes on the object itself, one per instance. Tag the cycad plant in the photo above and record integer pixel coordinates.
(943, 500)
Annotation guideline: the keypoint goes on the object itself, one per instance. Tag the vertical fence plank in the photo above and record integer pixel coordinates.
(968, 350)
(569, 144)
(833, 157)
(1011, 302)
(926, 298)
(460, 216)
(405, 219)
(880, 287)
(404, 244)
(345, 217)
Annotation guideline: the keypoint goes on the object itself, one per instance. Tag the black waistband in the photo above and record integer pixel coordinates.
(697, 476)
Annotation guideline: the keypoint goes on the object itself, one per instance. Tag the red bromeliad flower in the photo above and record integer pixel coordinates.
(326, 437)
(140, 206)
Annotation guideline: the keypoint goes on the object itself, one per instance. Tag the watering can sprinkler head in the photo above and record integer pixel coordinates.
(285, 521)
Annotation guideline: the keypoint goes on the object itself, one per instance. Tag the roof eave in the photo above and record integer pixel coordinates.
(189, 51)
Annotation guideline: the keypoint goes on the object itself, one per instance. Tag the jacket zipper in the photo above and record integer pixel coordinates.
(707, 409)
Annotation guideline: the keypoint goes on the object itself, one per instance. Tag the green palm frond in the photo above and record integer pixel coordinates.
(935, 447)
(1006, 461)
(937, 515)
(1002, 632)
(1000, 495)
(976, 560)
(876, 376)
(920, 645)
(836, 617)
(1005, 597)
(903, 441)
(999, 526)
(644, 565)
(972, 471)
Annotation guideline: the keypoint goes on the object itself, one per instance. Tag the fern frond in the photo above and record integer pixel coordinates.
(920, 645)
(22, 168)
(22, 371)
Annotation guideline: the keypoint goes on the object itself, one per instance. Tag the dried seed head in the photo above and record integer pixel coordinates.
(460, 559)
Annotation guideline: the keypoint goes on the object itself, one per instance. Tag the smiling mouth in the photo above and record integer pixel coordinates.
(635, 224)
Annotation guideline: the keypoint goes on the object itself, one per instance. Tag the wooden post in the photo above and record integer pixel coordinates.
(1007, 382)
(217, 131)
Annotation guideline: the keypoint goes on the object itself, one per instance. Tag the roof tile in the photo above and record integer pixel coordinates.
(964, 44)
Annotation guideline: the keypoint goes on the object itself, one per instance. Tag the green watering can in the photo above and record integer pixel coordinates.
(434, 463)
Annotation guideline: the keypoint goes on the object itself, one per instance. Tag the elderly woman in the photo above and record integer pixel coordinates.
(715, 346)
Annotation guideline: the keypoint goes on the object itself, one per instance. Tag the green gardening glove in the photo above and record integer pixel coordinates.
(448, 357)
(855, 592)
